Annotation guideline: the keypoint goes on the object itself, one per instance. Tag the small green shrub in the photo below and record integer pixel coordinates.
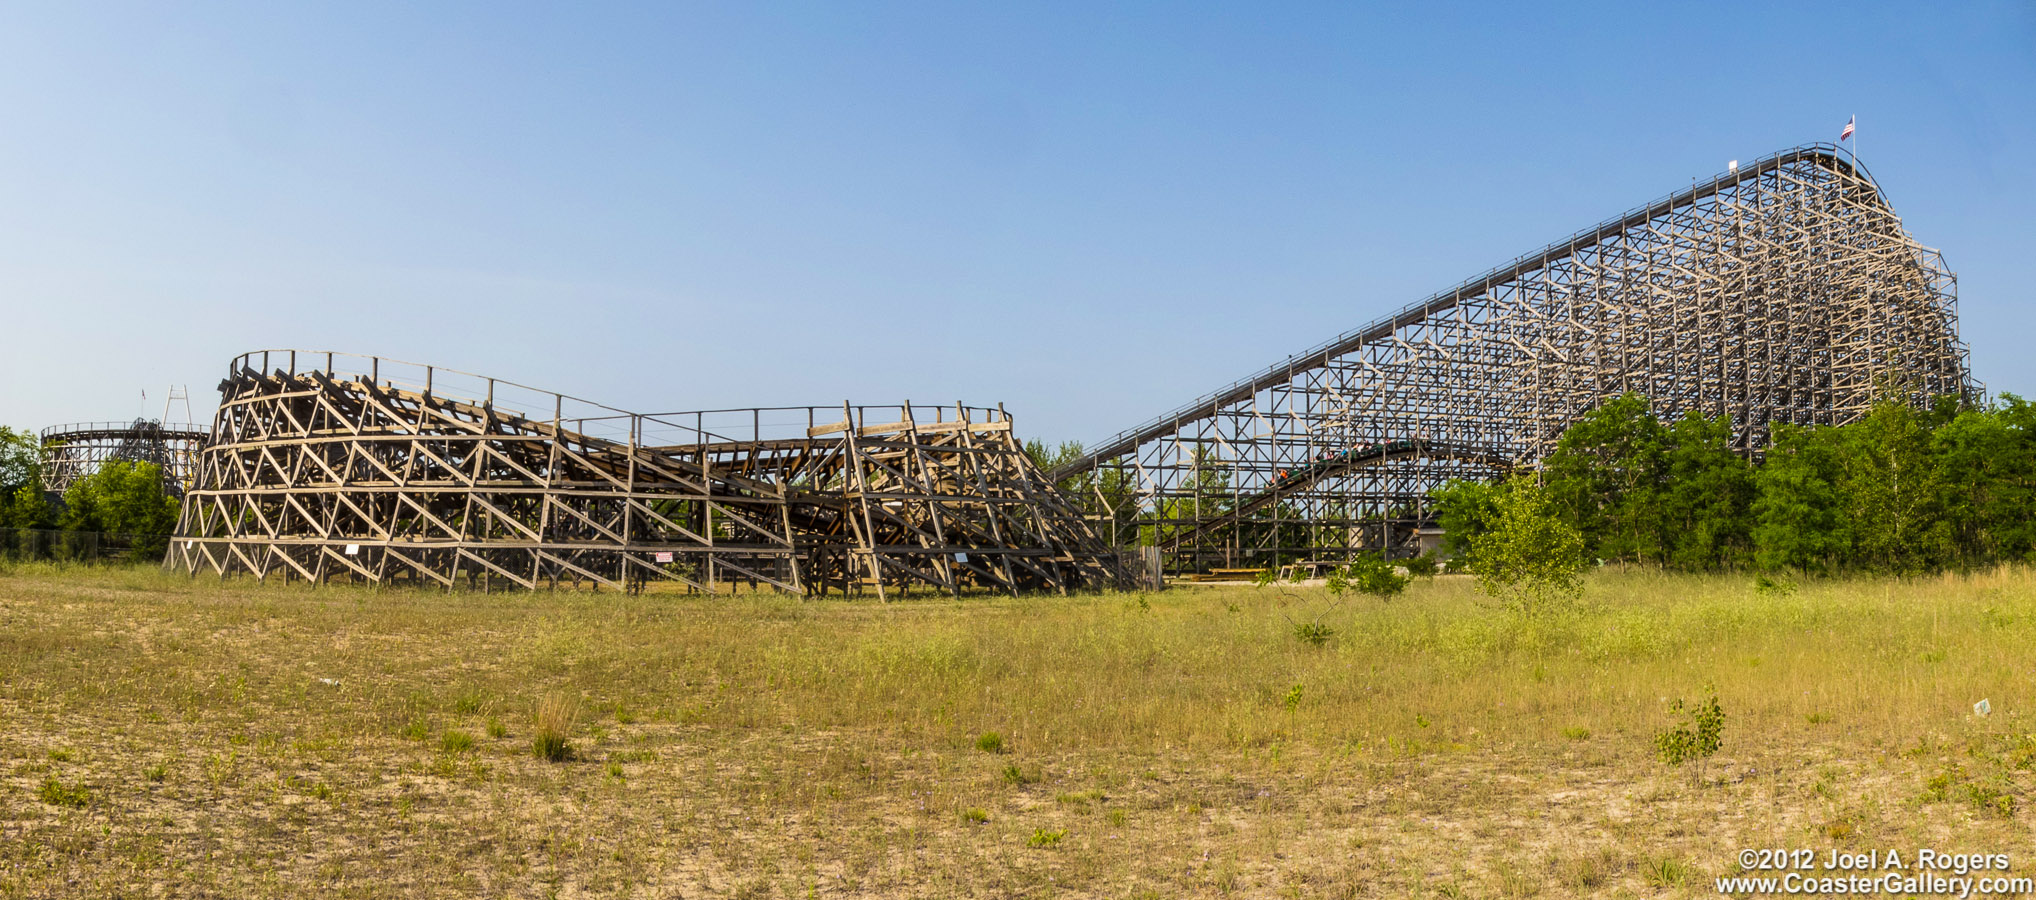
(1423, 566)
(990, 742)
(1292, 700)
(1015, 775)
(1700, 734)
(1937, 788)
(975, 815)
(496, 729)
(1042, 837)
(1368, 573)
(456, 741)
(1991, 799)
(1577, 733)
(416, 730)
(56, 793)
(157, 773)
(1773, 586)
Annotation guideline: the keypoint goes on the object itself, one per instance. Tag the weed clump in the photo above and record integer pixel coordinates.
(975, 815)
(1666, 872)
(991, 742)
(1043, 837)
(456, 741)
(1015, 775)
(57, 793)
(553, 723)
(1314, 633)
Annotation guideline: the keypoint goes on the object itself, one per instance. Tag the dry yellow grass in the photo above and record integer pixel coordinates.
(209, 739)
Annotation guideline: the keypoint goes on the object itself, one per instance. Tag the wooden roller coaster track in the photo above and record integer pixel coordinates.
(1784, 291)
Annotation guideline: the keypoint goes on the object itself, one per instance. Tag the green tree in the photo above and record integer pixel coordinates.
(27, 508)
(1049, 458)
(20, 460)
(21, 500)
(1986, 481)
(1891, 491)
(1706, 498)
(1800, 518)
(123, 497)
(1465, 510)
(1531, 558)
(1606, 475)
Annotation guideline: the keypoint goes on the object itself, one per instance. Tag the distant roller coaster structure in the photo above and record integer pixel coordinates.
(72, 452)
(1783, 291)
(333, 467)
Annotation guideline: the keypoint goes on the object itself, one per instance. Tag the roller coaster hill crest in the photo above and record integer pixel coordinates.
(1783, 291)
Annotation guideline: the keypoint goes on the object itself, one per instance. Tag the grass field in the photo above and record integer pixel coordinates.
(167, 737)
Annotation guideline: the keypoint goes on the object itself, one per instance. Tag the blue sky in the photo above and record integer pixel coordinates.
(1091, 213)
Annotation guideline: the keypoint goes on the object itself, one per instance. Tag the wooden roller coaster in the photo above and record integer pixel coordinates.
(72, 452)
(325, 467)
(1783, 291)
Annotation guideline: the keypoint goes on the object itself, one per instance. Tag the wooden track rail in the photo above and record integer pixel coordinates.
(327, 467)
(1785, 291)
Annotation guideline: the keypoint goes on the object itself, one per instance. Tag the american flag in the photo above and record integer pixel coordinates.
(1848, 129)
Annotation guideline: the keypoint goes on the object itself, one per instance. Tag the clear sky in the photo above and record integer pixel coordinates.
(1089, 212)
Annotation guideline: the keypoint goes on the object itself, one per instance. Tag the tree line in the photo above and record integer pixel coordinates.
(1904, 490)
(121, 497)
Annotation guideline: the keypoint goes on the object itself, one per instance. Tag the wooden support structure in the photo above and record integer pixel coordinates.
(328, 467)
(71, 452)
(1784, 291)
